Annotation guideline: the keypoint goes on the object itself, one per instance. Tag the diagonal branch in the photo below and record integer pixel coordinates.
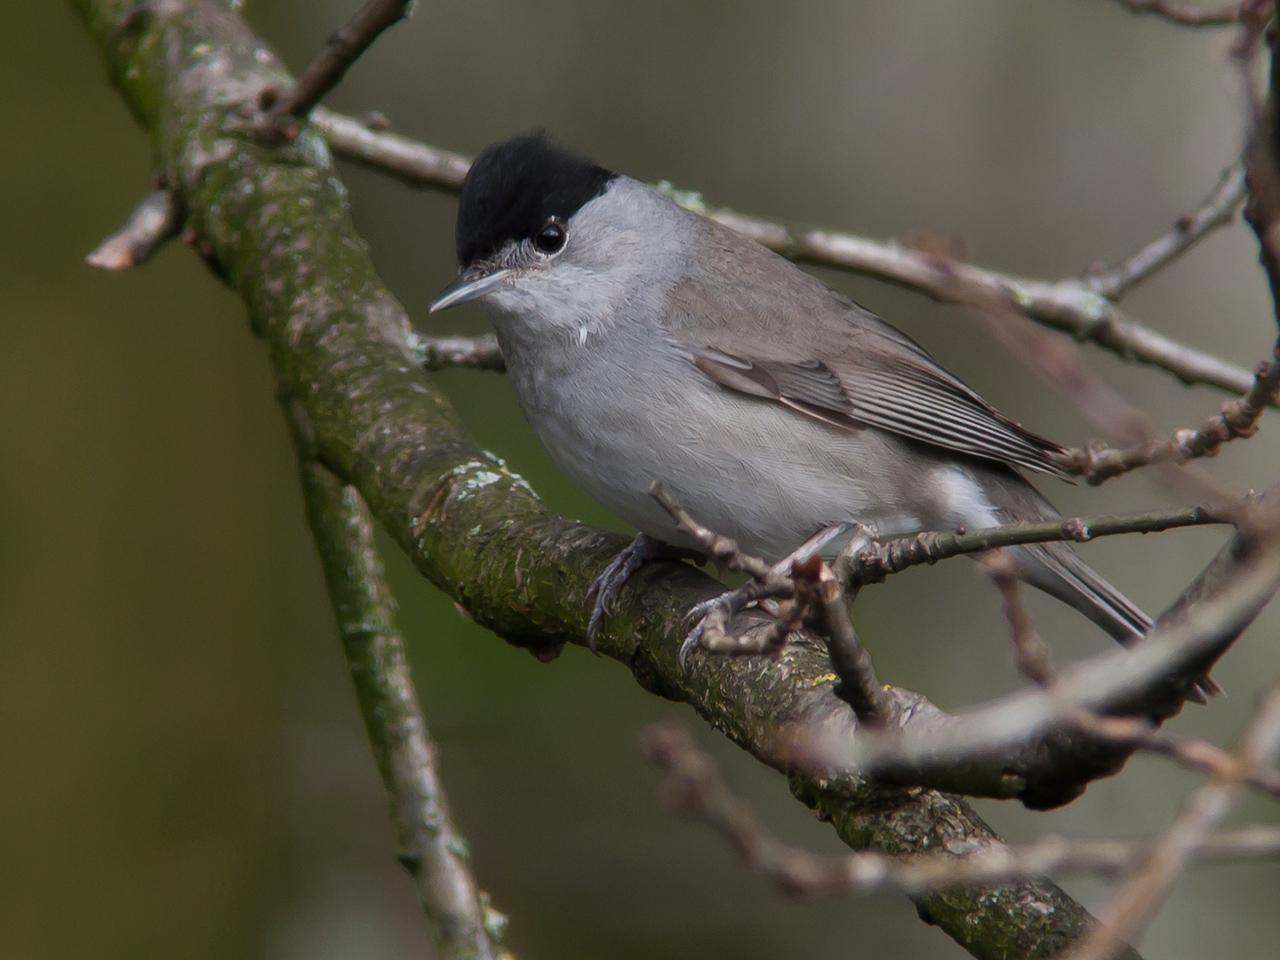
(1052, 756)
(1070, 306)
(431, 847)
(1043, 747)
(1160, 866)
(1031, 744)
(695, 787)
(1217, 210)
(858, 685)
(343, 48)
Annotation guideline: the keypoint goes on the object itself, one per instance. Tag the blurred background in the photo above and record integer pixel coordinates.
(185, 771)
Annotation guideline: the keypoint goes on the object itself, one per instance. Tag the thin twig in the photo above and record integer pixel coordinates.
(1135, 903)
(722, 549)
(1185, 15)
(858, 685)
(153, 221)
(474, 353)
(1217, 210)
(1031, 653)
(417, 164)
(343, 48)
(431, 847)
(878, 560)
(693, 786)
(1191, 752)
(1068, 305)
(1236, 419)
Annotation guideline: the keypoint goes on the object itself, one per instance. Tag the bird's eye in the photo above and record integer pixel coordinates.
(550, 238)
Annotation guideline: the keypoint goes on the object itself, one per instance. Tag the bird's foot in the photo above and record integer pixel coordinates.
(711, 632)
(773, 593)
(608, 585)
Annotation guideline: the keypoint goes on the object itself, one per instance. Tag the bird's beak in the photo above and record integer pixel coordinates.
(471, 283)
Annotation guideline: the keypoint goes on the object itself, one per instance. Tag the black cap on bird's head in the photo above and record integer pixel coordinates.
(515, 187)
(514, 190)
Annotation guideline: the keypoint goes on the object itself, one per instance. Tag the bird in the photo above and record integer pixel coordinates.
(647, 343)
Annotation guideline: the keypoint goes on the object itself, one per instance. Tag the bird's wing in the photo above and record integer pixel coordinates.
(846, 366)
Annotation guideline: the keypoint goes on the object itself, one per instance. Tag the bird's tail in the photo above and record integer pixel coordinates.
(1058, 570)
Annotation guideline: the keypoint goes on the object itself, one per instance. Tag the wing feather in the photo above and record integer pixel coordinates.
(848, 368)
(887, 398)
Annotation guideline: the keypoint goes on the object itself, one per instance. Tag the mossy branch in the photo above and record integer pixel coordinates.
(431, 848)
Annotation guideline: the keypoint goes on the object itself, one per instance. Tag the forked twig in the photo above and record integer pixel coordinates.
(326, 70)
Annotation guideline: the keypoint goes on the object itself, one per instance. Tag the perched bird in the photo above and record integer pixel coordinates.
(646, 343)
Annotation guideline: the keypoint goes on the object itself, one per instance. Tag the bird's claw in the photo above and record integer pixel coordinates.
(690, 643)
(772, 592)
(693, 639)
(711, 630)
(604, 592)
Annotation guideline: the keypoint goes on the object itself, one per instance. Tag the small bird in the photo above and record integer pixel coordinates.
(647, 343)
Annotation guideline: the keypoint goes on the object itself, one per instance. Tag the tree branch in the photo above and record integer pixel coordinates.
(153, 221)
(432, 848)
(858, 685)
(1217, 210)
(1045, 752)
(1070, 306)
(693, 786)
(1031, 653)
(326, 70)
(474, 353)
(1160, 866)
(1192, 753)
(1044, 767)
(416, 164)
(276, 224)
(1031, 744)
(877, 560)
(1237, 419)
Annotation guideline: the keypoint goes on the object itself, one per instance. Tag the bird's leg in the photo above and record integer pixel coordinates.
(713, 615)
(606, 587)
